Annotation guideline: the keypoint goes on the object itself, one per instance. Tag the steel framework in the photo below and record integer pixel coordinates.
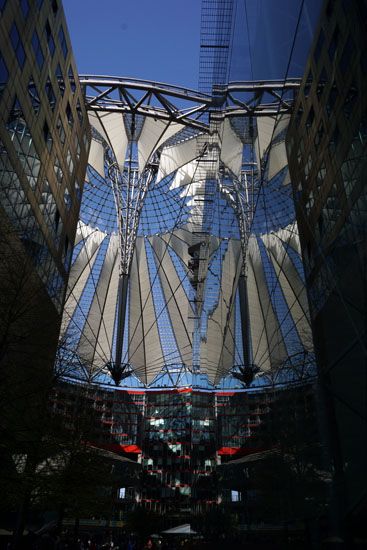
(177, 104)
(205, 117)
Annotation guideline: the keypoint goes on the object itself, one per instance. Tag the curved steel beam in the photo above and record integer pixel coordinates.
(186, 106)
(143, 97)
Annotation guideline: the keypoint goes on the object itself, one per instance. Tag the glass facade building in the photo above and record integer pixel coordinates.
(44, 138)
(186, 442)
(327, 155)
(44, 141)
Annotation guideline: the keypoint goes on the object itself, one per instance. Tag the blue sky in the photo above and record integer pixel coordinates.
(159, 39)
(154, 40)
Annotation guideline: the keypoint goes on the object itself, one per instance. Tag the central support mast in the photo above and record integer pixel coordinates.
(241, 195)
(130, 189)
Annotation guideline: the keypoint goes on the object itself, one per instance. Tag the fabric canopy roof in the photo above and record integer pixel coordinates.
(183, 301)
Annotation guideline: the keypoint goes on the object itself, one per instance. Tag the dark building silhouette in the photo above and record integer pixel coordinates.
(198, 449)
(44, 142)
(326, 145)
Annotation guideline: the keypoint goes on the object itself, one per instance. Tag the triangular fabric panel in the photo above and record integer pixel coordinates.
(268, 348)
(232, 149)
(95, 121)
(145, 350)
(289, 236)
(185, 176)
(179, 241)
(281, 124)
(82, 232)
(80, 273)
(178, 305)
(112, 128)
(265, 128)
(91, 243)
(175, 156)
(218, 351)
(154, 133)
(277, 159)
(105, 341)
(96, 157)
(292, 286)
(90, 348)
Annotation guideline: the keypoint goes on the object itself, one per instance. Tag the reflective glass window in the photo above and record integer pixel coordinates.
(319, 45)
(17, 45)
(37, 49)
(47, 205)
(50, 94)
(14, 200)
(350, 100)
(310, 118)
(58, 171)
(334, 141)
(49, 39)
(321, 83)
(71, 79)
(69, 114)
(334, 43)
(79, 111)
(4, 74)
(47, 136)
(333, 94)
(78, 191)
(70, 163)
(62, 40)
(67, 199)
(319, 134)
(346, 55)
(60, 79)
(61, 131)
(23, 144)
(308, 84)
(77, 146)
(33, 95)
(67, 253)
(24, 6)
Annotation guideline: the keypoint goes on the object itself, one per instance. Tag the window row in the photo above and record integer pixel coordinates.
(19, 211)
(19, 51)
(22, 140)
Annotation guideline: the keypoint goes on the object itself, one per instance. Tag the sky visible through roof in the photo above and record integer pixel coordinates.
(149, 40)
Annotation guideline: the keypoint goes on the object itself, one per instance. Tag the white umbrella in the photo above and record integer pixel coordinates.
(184, 529)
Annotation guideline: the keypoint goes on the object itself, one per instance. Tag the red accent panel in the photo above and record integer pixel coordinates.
(241, 451)
(228, 450)
(130, 448)
(168, 391)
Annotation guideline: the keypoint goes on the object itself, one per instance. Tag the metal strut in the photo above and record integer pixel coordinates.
(190, 108)
(185, 106)
(129, 192)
